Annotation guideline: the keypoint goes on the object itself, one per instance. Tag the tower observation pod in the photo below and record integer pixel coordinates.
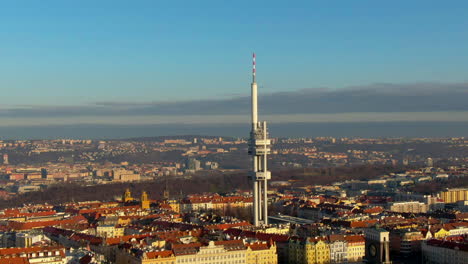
(259, 148)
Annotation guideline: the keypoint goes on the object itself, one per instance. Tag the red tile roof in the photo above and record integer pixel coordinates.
(227, 225)
(159, 254)
(71, 235)
(260, 236)
(355, 239)
(450, 226)
(17, 213)
(40, 224)
(461, 216)
(14, 260)
(186, 249)
(17, 251)
(258, 246)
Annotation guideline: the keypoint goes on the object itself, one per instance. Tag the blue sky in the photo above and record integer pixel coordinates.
(80, 52)
(153, 62)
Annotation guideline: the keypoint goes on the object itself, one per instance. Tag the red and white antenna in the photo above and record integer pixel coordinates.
(253, 67)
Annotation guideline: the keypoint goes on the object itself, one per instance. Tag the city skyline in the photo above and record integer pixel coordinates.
(129, 134)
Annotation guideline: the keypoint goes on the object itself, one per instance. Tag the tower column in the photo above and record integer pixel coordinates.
(259, 148)
(265, 202)
(255, 203)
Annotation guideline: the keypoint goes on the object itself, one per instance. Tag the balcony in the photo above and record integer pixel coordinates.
(261, 175)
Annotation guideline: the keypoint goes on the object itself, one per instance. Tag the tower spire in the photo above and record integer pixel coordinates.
(253, 68)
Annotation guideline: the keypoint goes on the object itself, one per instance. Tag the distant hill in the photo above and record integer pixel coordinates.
(345, 129)
(211, 181)
(162, 138)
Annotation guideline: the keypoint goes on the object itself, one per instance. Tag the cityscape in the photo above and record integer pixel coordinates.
(321, 204)
(210, 176)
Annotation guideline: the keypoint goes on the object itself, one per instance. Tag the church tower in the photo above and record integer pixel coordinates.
(145, 202)
(127, 197)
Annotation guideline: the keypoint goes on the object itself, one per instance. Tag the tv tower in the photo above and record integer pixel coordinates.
(259, 148)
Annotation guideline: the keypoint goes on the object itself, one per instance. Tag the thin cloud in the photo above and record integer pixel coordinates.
(374, 98)
(222, 120)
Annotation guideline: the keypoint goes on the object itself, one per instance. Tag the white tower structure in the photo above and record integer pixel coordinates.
(259, 148)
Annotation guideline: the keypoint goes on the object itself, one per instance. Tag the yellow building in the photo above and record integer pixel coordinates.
(161, 257)
(283, 230)
(124, 175)
(153, 257)
(356, 248)
(322, 252)
(454, 195)
(311, 251)
(109, 205)
(261, 253)
(441, 233)
(214, 202)
(109, 231)
(216, 252)
(124, 221)
(232, 251)
(175, 205)
(409, 207)
(223, 203)
(145, 202)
